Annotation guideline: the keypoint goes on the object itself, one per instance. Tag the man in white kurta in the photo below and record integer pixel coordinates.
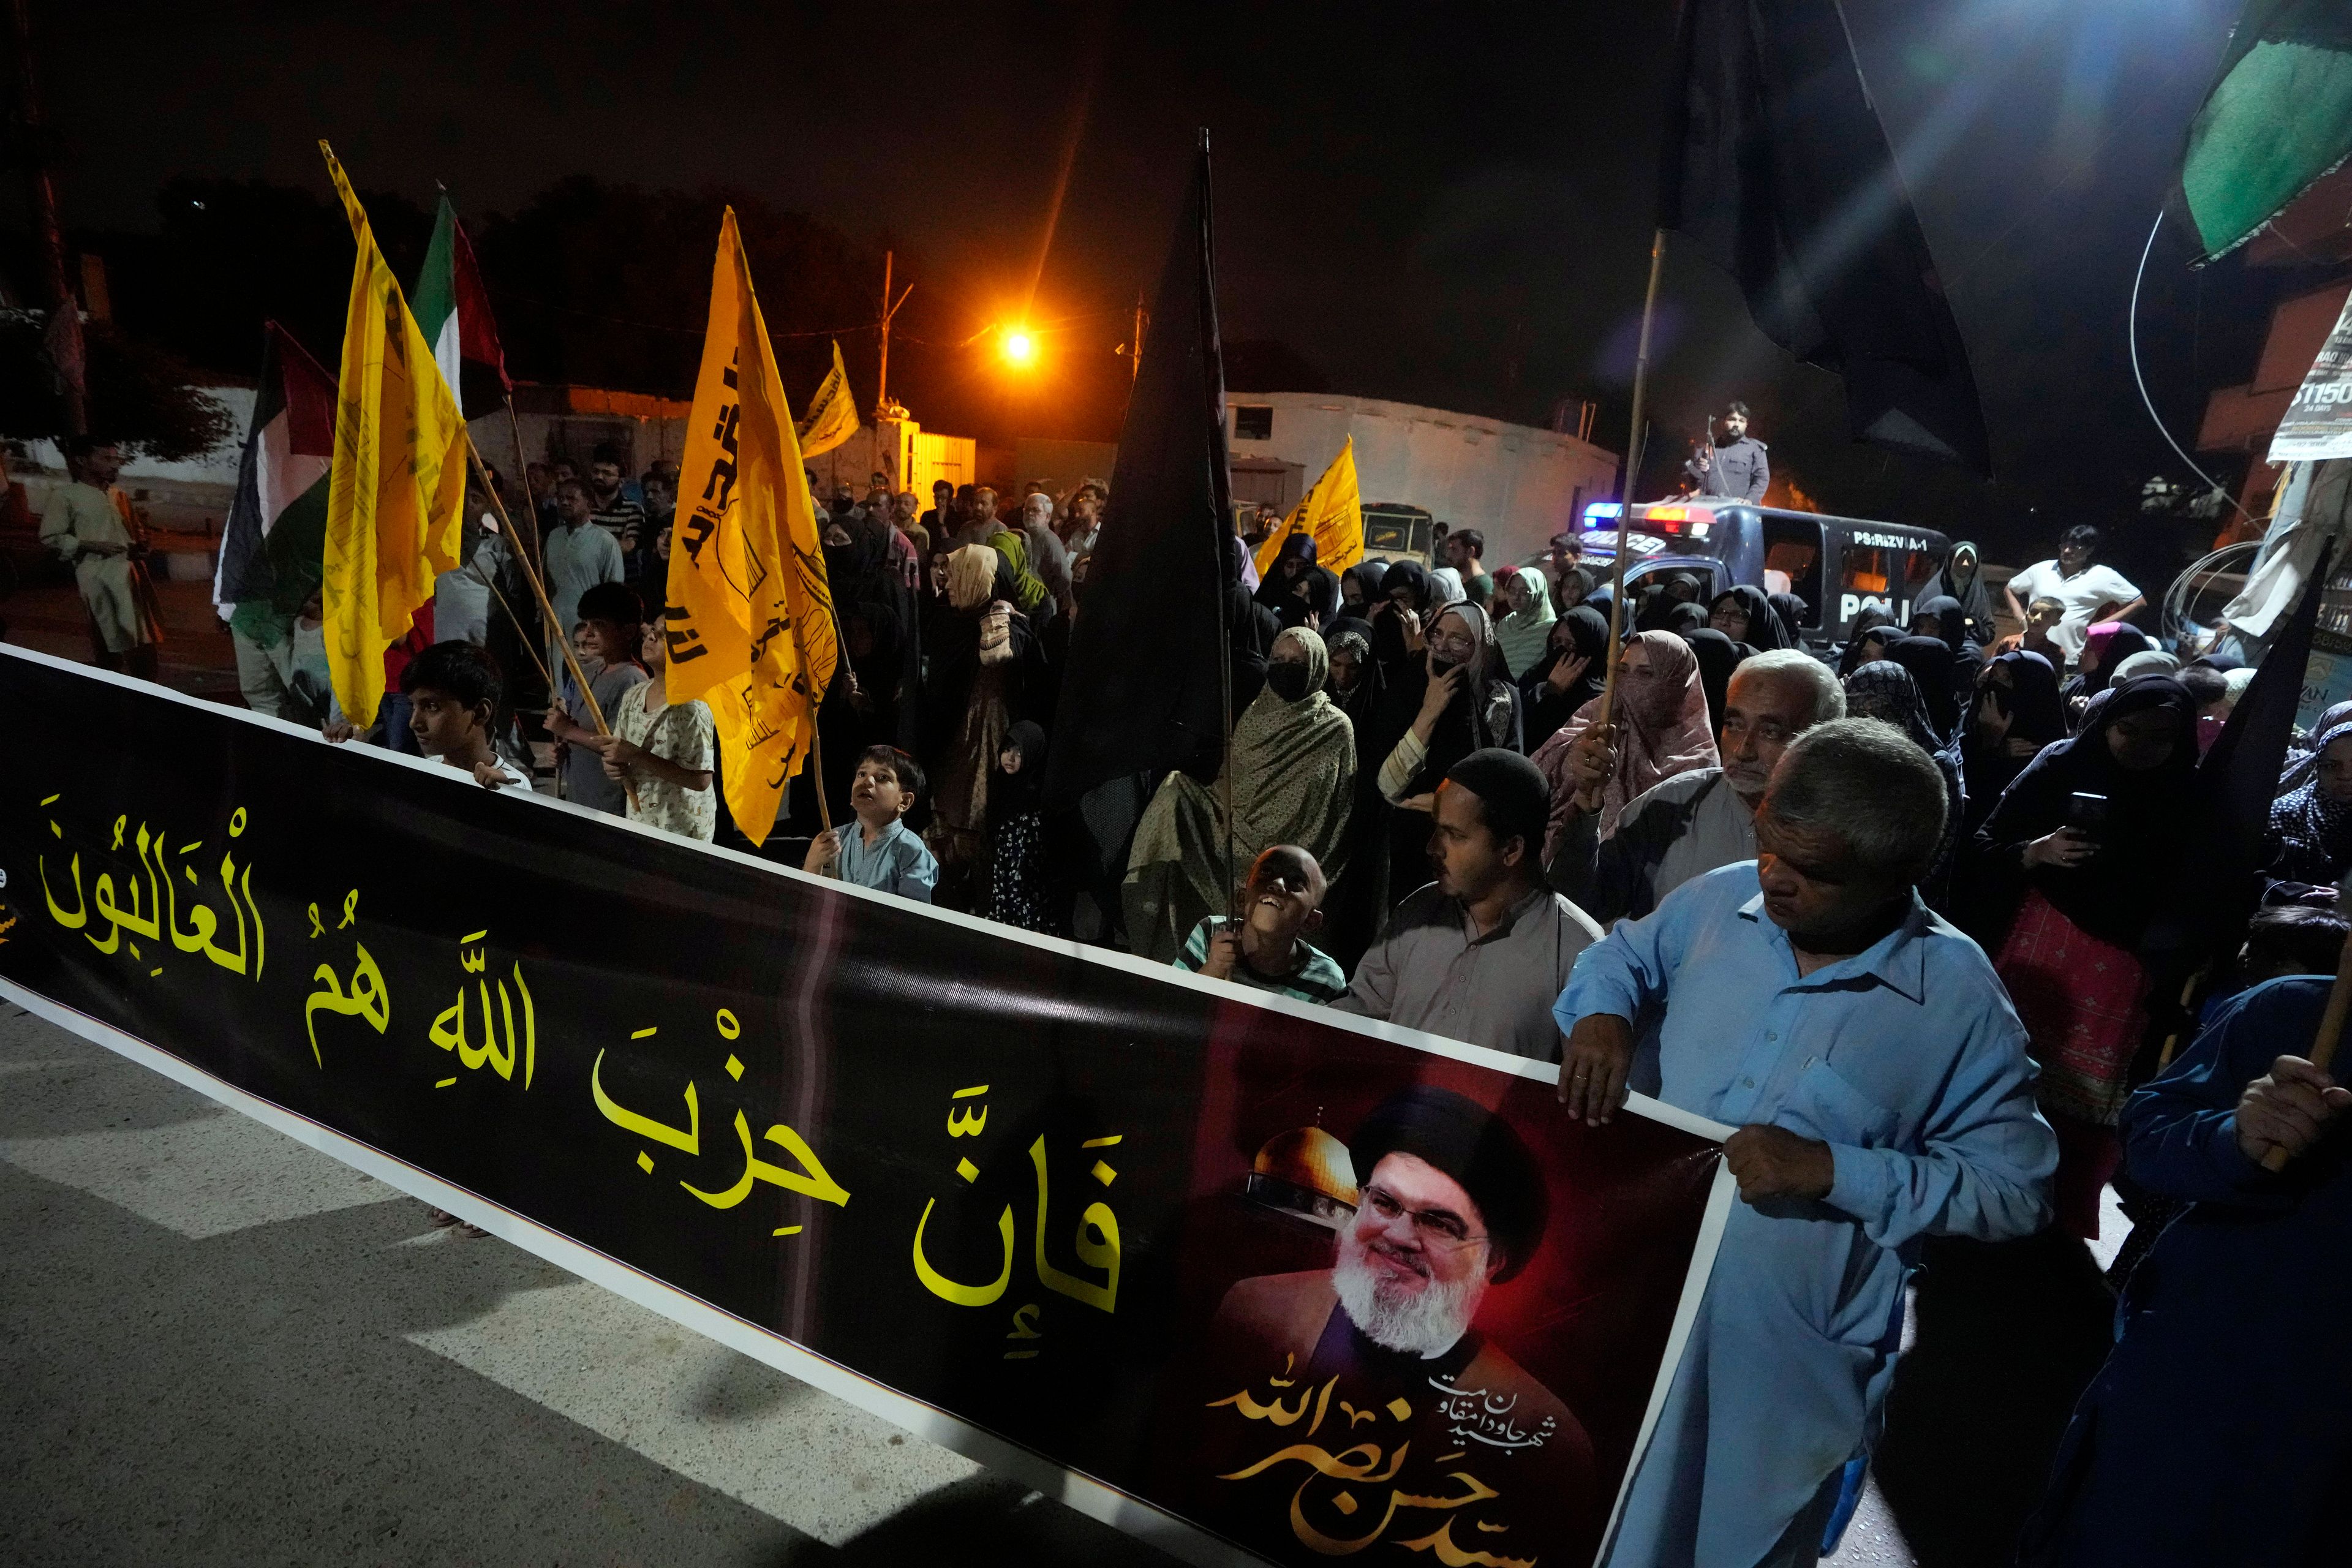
(84, 524)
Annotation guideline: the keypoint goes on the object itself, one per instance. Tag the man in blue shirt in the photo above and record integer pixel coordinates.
(1880, 1085)
(2216, 1432)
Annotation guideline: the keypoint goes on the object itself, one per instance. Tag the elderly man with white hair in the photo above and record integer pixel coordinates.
(1695, 821)
(1879, 1081)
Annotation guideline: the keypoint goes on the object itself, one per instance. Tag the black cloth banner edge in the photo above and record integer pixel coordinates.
(1097, 1499)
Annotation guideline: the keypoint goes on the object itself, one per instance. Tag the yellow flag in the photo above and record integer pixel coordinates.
(833, 412)
(396, 497)
(750, 613)
(1333, 512)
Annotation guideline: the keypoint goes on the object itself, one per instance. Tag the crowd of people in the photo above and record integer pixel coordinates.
(1880, 906)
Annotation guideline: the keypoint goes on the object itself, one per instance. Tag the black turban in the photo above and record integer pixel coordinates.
(1517, 796)
(1476, 1147)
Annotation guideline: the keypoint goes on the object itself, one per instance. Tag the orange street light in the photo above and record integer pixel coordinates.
(1019, 348)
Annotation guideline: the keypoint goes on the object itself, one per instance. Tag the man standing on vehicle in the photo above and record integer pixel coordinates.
(1732, 464)
(2090, 592)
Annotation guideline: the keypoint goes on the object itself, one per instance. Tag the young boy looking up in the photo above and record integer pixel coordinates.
(878, 850)
(667, 748)
(2041, 618)
(1282, 904)
(609, 629)
(452, 690)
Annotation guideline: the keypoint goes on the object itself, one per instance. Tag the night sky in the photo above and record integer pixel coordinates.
(1448, 206)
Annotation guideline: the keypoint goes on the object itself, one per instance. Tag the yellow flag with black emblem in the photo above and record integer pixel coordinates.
(1332, 513)
(750, 627)
(396, 489)
(832, 413)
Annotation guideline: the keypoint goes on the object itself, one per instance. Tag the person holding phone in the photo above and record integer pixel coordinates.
(2071, 865)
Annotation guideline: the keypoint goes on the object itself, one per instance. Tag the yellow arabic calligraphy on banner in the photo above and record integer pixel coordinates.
(156, 905)
(810, 1180)
(1332, 513)
(1097, 1241)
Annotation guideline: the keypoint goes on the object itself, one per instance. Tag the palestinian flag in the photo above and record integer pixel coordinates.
(272, 549)
(2277, 118)
(453, 311)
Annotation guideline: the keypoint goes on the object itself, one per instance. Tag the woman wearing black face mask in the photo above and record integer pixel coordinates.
(1294, 774)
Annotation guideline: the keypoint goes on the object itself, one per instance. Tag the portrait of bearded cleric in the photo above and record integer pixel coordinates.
(1358, 1404)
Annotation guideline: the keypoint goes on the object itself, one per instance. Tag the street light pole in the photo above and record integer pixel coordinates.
(889, 309)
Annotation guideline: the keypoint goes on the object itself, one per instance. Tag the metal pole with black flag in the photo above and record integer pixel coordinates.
(1161, 560)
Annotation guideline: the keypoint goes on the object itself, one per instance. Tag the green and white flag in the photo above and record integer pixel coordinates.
(2277, 118)
(454, 311)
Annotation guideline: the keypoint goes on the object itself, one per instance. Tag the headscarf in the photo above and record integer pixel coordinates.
(972, 576)
(1585, 583)
(1581, 633)
(1765, 631)
(1967, 584)
(2036, 714)
(2148, 662)
(1951, 622)
(2150, 814)
(1872, 620)
(1010, 795)
(2105, 647)
(1292, 773)
(1388, 633)
(1790, 611)
(1669, 736)
(2313, 832)
(2305, 756)
(1366, 575)
(1885, 690)
(1523, 633)
(1446, 584)
(1483, 712)
(1283, 596)
(1718, 656)
(1931, 663)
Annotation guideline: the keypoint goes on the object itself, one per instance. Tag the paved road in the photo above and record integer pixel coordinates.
(220, 1347)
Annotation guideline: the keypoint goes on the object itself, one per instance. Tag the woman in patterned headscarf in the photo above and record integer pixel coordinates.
(1292, 766)
(2311, 827)
(1661, 729)
(1524, 630)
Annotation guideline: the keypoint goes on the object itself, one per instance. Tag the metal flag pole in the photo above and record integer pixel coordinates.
(1634, 444)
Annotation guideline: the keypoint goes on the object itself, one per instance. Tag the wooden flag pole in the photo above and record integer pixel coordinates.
(2331, 1031)
(547, 608)
(1632, 474)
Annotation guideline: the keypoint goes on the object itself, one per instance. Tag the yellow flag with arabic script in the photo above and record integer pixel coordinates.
(832, 413)
(1332, 513)
(750, 613)
(397, 492)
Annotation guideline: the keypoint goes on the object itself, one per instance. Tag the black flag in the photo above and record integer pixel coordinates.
(1157, 577)
(2219, 880)
(1777, 169)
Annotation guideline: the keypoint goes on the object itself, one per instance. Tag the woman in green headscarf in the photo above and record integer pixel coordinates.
(1526, 626)
(1293, 774)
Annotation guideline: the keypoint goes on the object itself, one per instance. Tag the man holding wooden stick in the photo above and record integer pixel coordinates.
(2218, 1432)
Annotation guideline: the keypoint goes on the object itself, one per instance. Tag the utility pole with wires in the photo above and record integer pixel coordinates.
(882, 405)
(1134, 344)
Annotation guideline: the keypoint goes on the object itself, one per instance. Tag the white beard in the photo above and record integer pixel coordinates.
(1426, 1322)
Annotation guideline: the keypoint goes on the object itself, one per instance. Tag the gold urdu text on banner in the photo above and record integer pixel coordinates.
(395, 498)
(750, 613)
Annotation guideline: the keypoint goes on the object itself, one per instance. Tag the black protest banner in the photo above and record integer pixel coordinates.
(1081, 1217)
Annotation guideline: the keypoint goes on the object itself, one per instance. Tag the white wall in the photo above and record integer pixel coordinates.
(1515, 484)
